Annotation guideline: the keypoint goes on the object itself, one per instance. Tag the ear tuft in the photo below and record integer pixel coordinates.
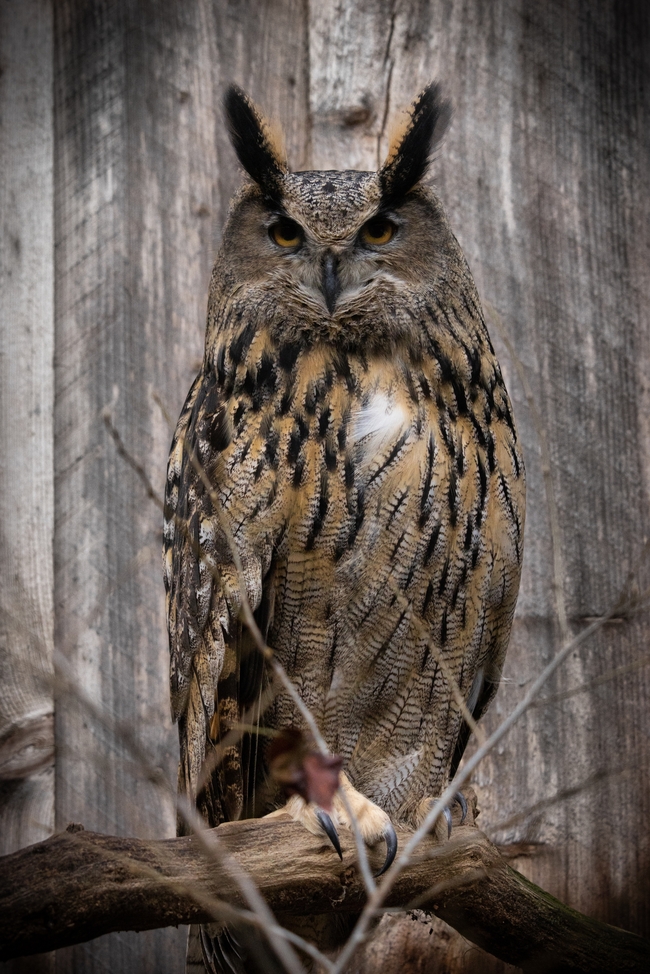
(411, 146)
(257, 144)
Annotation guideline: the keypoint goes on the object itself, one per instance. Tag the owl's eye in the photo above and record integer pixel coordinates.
(378, 231)
(286, 233)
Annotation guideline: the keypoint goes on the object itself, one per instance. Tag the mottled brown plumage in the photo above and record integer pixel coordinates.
(351, 417)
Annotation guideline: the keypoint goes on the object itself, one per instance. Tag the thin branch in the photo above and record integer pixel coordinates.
(128, 458)
(276, 667)
(211, 843)
(375, 901)
(598, 777)
(274, 664)
(210, 846)
(378, 895)
(598, 681)
(452, 683)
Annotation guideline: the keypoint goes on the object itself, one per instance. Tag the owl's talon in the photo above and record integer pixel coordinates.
(390, 838)
(447, 813)
(462, 801)
(427, 805)
(328, 827)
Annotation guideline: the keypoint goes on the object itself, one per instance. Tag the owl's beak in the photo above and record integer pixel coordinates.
(330, 283)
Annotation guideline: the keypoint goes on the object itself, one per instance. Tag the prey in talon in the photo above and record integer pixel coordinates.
(346, 464)
(314, 782)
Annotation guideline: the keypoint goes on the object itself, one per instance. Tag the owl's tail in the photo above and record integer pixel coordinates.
(220, 949)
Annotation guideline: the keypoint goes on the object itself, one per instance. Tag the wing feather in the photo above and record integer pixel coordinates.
(203, 603)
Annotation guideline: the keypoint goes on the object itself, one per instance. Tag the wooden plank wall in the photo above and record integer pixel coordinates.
(545, 177)
(26, 424)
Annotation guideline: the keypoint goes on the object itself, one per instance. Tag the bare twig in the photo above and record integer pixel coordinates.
(249, 620)
(561, 796)
(375, 901)
(598, 681)
(274, 664)
(128, 457)
(210, 846)
(452, 683)
(377, 895)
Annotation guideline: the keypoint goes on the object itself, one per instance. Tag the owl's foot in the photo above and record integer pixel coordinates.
(427, 804)
(373, 822)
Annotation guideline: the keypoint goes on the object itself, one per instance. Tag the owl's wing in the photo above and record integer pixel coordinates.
(216, 671)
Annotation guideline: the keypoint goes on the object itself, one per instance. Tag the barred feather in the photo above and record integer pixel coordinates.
(366, 463)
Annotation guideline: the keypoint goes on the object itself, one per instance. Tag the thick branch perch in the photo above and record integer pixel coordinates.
(79, 885)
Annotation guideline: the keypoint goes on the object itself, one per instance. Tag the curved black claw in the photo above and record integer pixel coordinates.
(328, 827)
(390, 838)
(447, 813)
(462, 801)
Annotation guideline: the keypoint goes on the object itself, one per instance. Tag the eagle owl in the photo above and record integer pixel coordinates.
(350, 435)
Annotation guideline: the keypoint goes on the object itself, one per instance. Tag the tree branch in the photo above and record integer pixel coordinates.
(79, 885)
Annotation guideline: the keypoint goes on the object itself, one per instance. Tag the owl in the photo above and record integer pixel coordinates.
(347, 458)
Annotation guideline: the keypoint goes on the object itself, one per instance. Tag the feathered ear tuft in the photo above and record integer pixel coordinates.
(412, 144)
(257, 145)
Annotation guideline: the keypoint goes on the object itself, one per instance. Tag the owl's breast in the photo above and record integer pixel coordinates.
(403, 546)
(388, 497)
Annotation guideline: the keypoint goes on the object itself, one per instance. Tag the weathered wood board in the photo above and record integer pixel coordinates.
(544, 174)
(144, 173)
(26, 428)
(26, 424)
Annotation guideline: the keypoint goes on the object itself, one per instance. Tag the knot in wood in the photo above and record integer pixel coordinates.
(347, 878)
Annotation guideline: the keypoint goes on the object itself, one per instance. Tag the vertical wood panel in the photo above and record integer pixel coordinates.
(548, 189)
(144, 174)
(544, 174)
(26, 401)
(545, 177)
(26, 432)
(127, 240)
(350, 77)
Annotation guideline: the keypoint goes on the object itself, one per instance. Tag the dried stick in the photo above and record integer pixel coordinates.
(248, 617)
(249, 620)
(377, 896)
(208, 841)
(375, 901)
(274, 664)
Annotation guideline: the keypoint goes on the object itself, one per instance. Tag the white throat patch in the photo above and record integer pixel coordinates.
(380, 420)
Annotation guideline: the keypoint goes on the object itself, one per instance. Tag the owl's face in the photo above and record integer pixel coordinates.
(346, 256)
(331, 242)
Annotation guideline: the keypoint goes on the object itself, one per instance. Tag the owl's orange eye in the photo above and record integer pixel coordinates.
(378, 231)
(286, 233)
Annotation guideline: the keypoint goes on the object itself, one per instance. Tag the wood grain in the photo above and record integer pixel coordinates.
(26, 441)
(81, 884)
(544, 174)
(144, 173)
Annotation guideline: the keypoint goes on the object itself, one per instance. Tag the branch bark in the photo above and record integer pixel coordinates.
(79, 885)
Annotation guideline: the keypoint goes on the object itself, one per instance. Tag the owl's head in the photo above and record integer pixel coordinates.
(335, 245)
